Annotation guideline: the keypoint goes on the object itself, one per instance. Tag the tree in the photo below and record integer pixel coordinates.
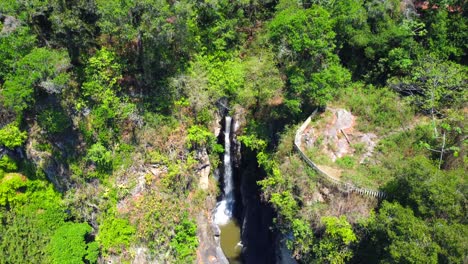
(438, 88)
(68, 245)
(333, 247)
(31, 211)
(452, 241)
(397, 236)
(41, 68)
(14, 46)
(305, 41)
(73, 26)
(262, 81)
(431, 193)
(185, 241)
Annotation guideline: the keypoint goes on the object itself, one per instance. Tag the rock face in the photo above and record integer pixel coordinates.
(9, 24)
(203, 169)
(340, 136)
(257, 237)
(209, 250)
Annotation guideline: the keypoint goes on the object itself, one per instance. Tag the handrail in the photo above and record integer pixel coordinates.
(346, 186)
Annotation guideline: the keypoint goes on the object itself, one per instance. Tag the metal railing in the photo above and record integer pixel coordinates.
(343, 186)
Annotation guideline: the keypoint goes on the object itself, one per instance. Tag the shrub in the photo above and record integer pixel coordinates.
(68, 245)
(185, 241)
(346, 162)
(199, 136)
(8, 164)
(100, 156)
(53, 121)
(11, 137)
(115, 234)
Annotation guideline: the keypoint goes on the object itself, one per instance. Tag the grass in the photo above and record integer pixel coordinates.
(381, 112)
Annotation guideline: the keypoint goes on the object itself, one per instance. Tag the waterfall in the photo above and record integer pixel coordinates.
(225, 207)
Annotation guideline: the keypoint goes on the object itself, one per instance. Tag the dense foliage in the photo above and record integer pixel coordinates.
(108, 108)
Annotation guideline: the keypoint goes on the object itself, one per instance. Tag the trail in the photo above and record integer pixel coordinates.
(343, 186)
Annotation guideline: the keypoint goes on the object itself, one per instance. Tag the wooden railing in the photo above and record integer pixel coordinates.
(346, 187)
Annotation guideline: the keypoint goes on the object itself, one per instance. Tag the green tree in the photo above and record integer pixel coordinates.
(68, 245)
(7, 164)
(399, 237)
(334, 246)
(14, 46)
(54, 121)
(262, 81)
(31, 211)
(429, 191)
(41, 68)
(452, 241)
(304, 40)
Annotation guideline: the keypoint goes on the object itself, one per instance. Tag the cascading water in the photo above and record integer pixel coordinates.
(223, 216)
(225, 207)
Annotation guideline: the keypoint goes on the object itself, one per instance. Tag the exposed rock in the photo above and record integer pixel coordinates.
(209, 250)
(317, 197)
(141, 254)
(239, 122)
(10, 24)
(239, 118)
(204, 169)
(340, 135)
(370, 141)
(258, 238)
(55, 171)
(157, 170)
(284, 255)
(216, 125)
(325, 190)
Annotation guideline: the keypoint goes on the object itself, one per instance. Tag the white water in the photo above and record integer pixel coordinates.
(225, 207)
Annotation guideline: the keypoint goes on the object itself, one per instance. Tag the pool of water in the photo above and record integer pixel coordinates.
(230, 241)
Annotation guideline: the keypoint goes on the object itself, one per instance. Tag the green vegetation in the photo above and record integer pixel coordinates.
(67, 245)
(109, 108)
(185, 240)
(115, 234)
(11, 136)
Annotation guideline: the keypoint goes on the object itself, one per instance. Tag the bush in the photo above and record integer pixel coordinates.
(11, 137)
(100, 156)
(115, 234)
(346, 162)
(8, 164)
(68, 245)
(53, 121)
(199, 136)
(185, 241)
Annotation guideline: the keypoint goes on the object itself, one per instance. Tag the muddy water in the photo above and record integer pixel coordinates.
(230, 241)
